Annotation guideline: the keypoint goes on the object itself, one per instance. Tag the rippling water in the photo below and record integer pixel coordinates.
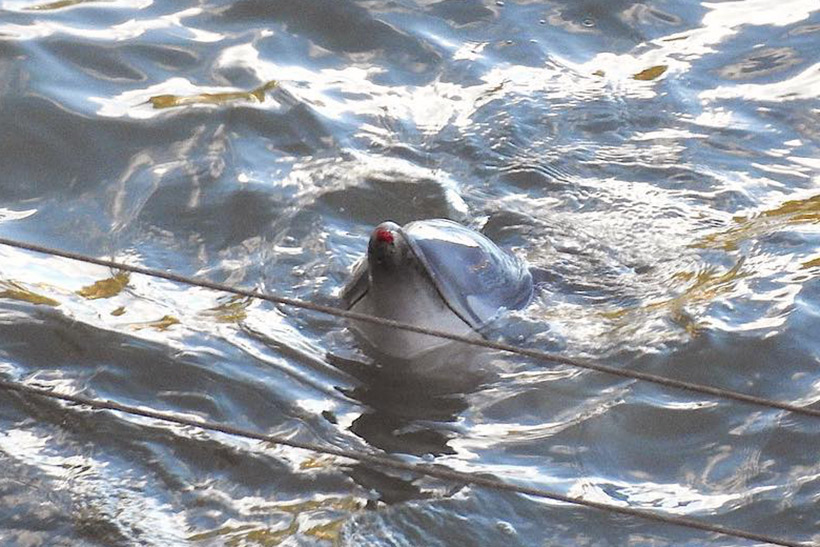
(658, 160)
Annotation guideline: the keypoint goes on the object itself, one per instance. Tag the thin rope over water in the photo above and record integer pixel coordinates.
(533, 353)
(434, 471)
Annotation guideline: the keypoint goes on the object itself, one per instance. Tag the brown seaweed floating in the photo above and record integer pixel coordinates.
(105, 288)
(790, 213)
(324, 510)
(13, 291)
(706, 286)
(162, 324)
(60, 4)
(171, 101)
(651, 73)
(814, 263)
(233, 310)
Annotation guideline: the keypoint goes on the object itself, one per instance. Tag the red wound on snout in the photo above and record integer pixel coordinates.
(385, 236)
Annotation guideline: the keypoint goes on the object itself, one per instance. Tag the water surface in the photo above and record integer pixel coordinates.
(658, 161)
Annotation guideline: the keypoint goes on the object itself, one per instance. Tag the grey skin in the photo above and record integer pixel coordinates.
(433, 273)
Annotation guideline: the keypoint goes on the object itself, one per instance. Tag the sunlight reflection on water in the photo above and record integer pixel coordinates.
(658, 164)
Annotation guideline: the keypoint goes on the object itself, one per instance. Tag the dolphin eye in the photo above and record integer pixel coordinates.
(383, 235)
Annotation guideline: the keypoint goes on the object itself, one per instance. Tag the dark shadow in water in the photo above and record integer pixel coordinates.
(344, 27)
(411, 408)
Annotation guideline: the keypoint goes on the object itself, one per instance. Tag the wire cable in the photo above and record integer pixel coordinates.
(435, 471)
(533, 353)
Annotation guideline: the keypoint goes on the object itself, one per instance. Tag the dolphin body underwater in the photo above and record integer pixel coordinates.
(432, 273)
